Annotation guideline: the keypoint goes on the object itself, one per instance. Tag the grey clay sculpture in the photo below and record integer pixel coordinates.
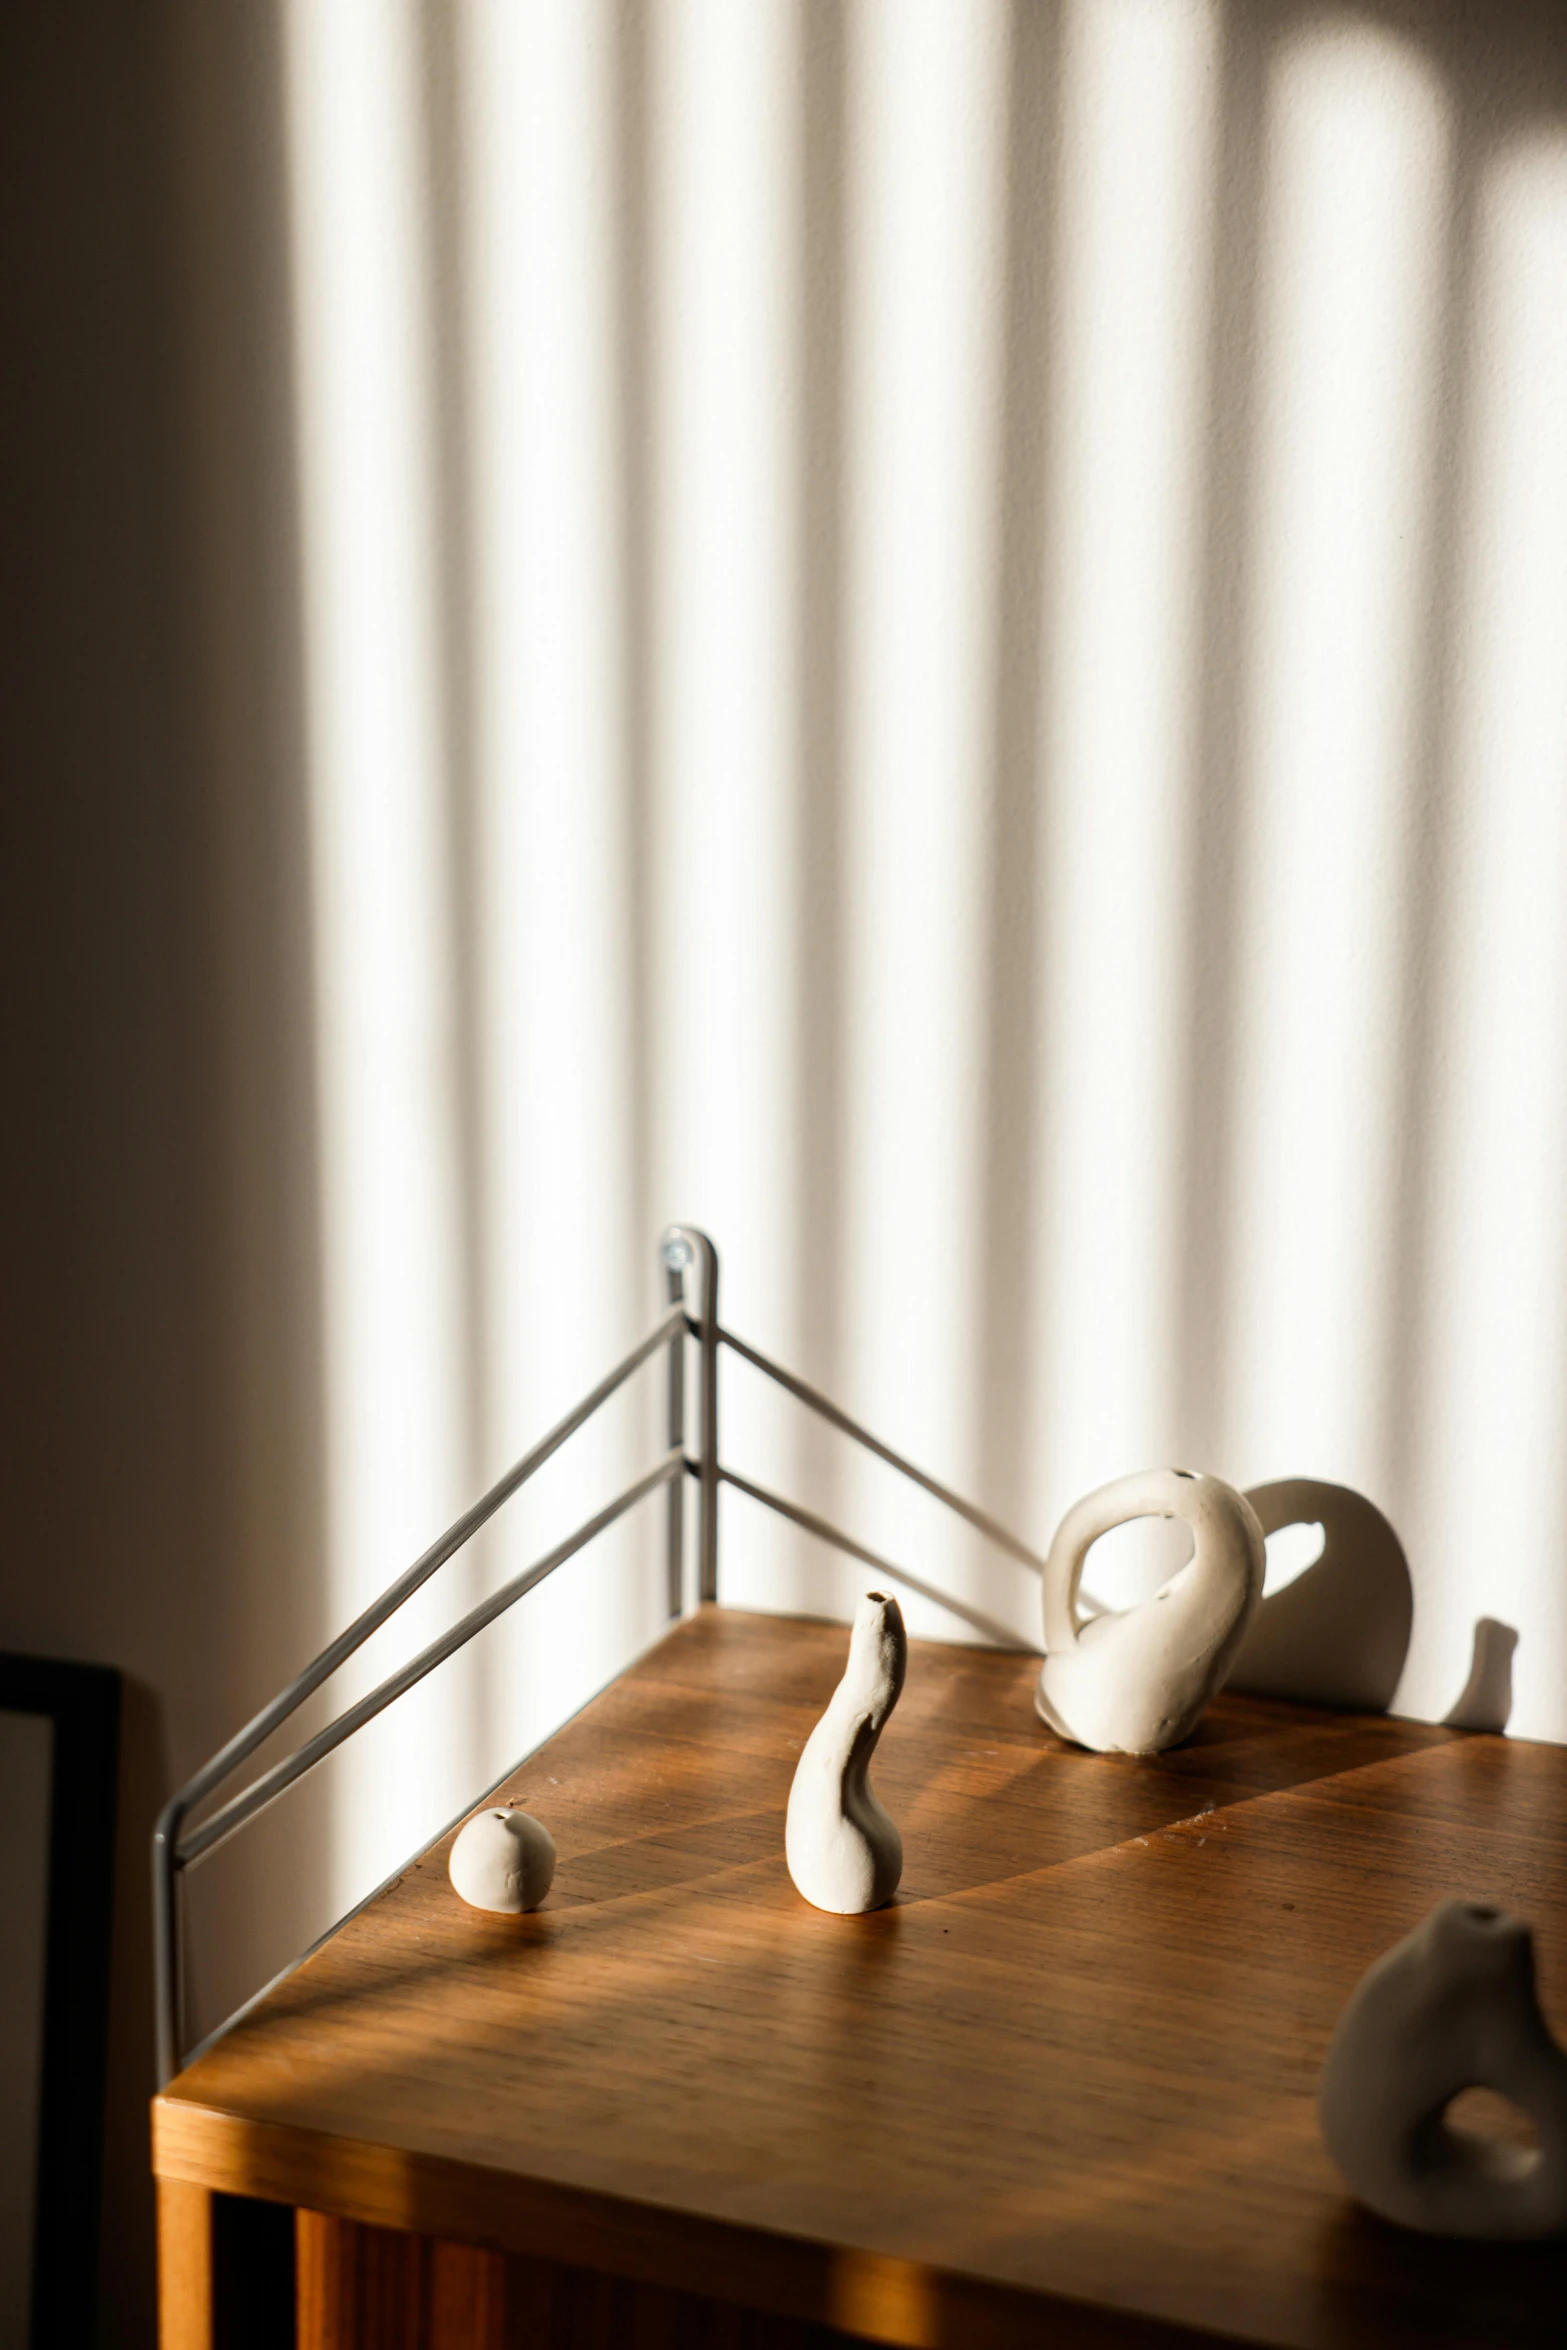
(503, 1861)
(1451, 2007)
(844, 1852)
(1135, 1681)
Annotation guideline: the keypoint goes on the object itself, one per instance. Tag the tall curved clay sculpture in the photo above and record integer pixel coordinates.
(1136, 1681)
(503, 1860)
(1451, 2007)
(843, 1850)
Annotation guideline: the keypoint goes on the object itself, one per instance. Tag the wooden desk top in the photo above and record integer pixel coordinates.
(1062, 2090)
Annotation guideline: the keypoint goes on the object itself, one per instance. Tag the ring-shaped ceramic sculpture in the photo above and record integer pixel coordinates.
(843, 1850)
(1135, 1681)
(1451, 2007)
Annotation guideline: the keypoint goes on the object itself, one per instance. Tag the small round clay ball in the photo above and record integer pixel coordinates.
(503, 1860)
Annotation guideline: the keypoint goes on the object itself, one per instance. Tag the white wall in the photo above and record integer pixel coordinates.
(932, 634)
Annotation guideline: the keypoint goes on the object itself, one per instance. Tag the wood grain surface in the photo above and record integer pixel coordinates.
(363, 2288)
(1063, 2090)
(185, 2282)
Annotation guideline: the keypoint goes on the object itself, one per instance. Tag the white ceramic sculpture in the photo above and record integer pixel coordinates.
(1135, 1682)
(843, 1850)
(503, 1860)
(1451, 2007)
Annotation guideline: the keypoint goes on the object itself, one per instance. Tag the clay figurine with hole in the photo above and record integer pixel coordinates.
(503, 1861)
(1134, 1682)
(1451, 2007)
(843, 1850)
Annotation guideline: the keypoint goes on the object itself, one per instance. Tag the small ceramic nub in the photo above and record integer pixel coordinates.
(1451, 2007)
(503, 1861)
(844, 1852)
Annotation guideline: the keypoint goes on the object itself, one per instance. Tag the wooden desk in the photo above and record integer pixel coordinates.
(1062, 2092)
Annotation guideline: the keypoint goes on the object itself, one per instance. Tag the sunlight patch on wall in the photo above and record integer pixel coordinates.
(726, 210)
(567, 1268)
(1491, 1499)
(610, 986)
(1353, 238)
(1292, 1552)
(926, 230)
(1133, 223)
(391, 1202)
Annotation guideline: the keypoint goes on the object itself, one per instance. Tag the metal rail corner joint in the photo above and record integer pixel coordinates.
(177, 1844)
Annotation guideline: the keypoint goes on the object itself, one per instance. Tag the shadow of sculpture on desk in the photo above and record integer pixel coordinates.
(1487, 1699)
(1338, 1633)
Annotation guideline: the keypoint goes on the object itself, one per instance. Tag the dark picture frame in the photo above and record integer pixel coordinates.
(82, 1703)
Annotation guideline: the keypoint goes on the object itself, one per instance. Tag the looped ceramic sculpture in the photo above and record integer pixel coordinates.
(503, 1860)
(1135, 1682)
(1451, 2007)
(844, 1852)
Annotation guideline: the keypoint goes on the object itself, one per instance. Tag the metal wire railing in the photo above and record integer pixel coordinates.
(178, 1845)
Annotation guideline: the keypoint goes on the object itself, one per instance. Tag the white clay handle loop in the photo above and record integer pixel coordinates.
(1141, 1496)
(1203, 1503)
